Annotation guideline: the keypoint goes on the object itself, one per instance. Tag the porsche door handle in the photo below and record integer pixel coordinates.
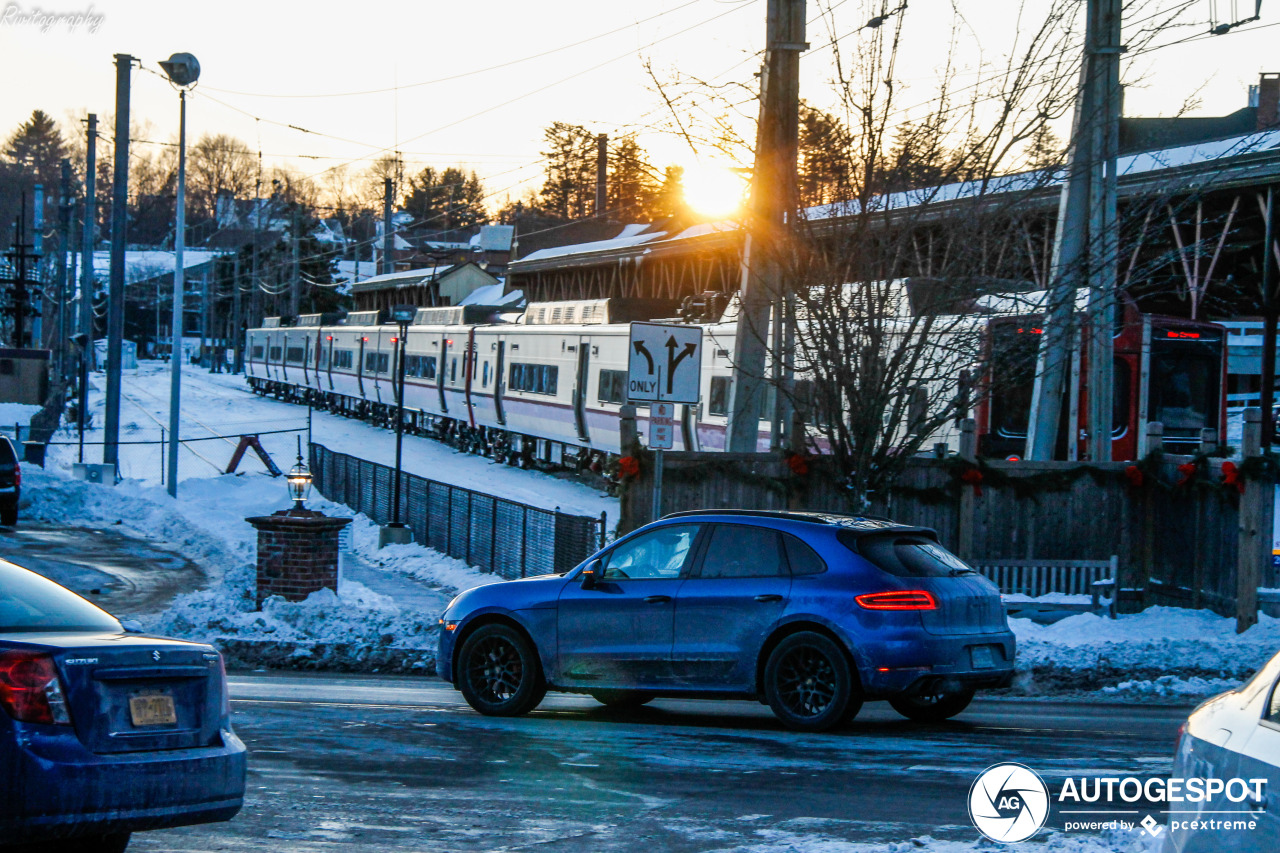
(768, 597)
(656, 599)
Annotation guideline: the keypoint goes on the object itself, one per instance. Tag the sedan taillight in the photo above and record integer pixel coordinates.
(908, 599)
(17, 474)
(30, 691)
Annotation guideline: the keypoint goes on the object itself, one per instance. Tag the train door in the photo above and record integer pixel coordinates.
(443, 370)
(469, 372)
(580, 389)
(360, 365)
(499, 377)
(329, 363)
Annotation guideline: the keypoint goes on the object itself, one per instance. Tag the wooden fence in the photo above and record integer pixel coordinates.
(1178, 538)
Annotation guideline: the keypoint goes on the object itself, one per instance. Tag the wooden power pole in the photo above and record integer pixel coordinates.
(1085, 246)
(773, 200)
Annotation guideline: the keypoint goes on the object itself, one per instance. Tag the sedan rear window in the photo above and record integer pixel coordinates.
(30, 602)
(906, 556)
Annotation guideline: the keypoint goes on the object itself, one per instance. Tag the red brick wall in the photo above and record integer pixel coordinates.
(297, 554)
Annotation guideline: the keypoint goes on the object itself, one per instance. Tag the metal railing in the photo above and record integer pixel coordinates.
(508, 538)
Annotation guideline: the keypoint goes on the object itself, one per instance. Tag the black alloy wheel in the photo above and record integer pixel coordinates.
(499, 672)
(932, 705)
(808, 683)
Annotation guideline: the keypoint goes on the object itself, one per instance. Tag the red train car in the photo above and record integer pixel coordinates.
(1167, 369)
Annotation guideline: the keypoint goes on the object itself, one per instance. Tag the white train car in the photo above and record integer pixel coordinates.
(544, 385)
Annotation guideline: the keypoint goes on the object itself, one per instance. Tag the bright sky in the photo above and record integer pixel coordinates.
(478, 81)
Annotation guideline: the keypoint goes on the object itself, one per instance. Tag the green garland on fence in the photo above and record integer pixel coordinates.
(1197, 473)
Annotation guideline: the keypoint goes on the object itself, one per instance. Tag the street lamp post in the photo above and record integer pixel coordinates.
(397, 532)
(183, 71)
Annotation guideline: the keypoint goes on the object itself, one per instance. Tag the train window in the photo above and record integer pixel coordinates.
(1120, 398)
(377, 362)
(613, 386)
(294, 355)
(274, 354)
(484, 375)
(343, 359)
(719, 402)
(1184, 387)
(453, 369)
(534, 378)
(324, 358)
(255, 352)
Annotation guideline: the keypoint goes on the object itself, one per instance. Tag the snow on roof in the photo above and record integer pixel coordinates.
(494, 238)
(345, 270)
(626, 239)
(143, 264)
(491, 294)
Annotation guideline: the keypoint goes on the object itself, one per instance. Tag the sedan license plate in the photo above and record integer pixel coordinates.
(982, 657)
(152, 709)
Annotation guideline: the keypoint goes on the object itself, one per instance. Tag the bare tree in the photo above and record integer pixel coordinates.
(219, 163)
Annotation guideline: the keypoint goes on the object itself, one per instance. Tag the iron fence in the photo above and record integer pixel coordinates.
(511, 539)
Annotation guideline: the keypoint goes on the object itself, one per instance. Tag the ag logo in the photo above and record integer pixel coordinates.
(1008, 802)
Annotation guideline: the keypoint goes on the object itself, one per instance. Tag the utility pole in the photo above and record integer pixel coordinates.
(37, 239)
(1270, 311)
(1104, 236)
(1084, 245)
(18, 255)
(115, 287)
(773, 200)
(295, 283)
(87, 278)
(602, 174)
(65, 205)
(236, 321)
(388, 265)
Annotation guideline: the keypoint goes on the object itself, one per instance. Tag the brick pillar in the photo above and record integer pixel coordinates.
(297, 553)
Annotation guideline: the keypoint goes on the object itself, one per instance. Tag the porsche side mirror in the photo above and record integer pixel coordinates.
(588, 577)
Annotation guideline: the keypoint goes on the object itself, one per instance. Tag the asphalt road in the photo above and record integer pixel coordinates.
(397, 763)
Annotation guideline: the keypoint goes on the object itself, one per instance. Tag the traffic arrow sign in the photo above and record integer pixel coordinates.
(677, 378)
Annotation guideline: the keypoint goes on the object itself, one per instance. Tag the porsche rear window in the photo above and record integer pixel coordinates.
(906, 555)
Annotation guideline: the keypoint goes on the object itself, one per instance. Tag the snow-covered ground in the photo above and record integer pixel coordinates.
(222, 404)
(781, 841)
(388, 602)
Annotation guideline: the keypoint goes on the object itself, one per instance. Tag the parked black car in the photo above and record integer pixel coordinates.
(10, 482)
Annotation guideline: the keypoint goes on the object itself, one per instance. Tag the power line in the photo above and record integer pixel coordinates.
(464, 74)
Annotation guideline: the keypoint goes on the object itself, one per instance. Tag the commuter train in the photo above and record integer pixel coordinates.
(545, 385)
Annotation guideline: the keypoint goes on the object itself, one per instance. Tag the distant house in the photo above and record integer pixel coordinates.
(440, 285)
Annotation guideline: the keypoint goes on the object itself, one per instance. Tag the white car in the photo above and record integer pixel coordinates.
(1235, 735)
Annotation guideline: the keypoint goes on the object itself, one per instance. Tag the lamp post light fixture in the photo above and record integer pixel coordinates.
(299, 482)
(397, 532)
(183, 70)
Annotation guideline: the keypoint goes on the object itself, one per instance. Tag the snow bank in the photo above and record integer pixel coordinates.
(16, 413)
(359, 628)
(1162, 652)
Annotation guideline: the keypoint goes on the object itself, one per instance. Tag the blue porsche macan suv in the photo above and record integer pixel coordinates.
(812, 613)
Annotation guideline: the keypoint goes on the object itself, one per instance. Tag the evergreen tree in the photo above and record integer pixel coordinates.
(825, 158)
(445, 201)
(570, 188)
(38, 146)
(632, 191)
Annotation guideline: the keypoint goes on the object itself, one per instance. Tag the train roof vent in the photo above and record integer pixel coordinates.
(364, 318)
(309, 320)
(271, 322)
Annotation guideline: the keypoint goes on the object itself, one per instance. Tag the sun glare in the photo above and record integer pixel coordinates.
(713, 191)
